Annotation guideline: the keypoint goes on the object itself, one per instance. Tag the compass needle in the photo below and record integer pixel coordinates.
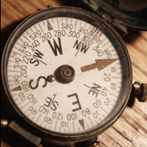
(100, 64)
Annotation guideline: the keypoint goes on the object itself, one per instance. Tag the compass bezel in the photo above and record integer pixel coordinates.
(116, 40)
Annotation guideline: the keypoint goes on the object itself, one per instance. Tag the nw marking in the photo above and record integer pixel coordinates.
(80, 46)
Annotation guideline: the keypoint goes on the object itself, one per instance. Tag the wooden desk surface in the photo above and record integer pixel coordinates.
(130, 130)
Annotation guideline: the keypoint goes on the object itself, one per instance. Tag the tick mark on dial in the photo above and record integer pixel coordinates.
(90, 121)
(104, 110)
(81, 121)
(18, 88)
(38, 118)
(113, 94)
(24, 105)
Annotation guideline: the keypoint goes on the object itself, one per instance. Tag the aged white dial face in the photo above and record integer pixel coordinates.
(46, 96)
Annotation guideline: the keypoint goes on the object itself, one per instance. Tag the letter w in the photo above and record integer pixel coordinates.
(56, 46)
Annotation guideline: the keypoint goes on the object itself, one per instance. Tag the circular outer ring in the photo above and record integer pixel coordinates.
(118, 43)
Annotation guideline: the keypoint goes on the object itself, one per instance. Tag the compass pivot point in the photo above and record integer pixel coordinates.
(65, 74)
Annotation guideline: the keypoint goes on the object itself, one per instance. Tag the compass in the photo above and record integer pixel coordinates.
(66, 75)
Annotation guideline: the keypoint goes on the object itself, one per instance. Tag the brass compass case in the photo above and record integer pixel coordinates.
(70, 15)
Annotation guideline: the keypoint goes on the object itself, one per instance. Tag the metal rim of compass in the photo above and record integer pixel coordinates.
(121, 50)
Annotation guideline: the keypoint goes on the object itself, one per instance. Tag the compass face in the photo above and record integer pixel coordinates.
(66, 72)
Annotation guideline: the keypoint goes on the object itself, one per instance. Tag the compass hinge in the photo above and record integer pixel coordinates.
(89, 143)
(92, 6)
(29, 138)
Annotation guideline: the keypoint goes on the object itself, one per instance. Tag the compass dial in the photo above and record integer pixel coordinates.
(66, 74)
